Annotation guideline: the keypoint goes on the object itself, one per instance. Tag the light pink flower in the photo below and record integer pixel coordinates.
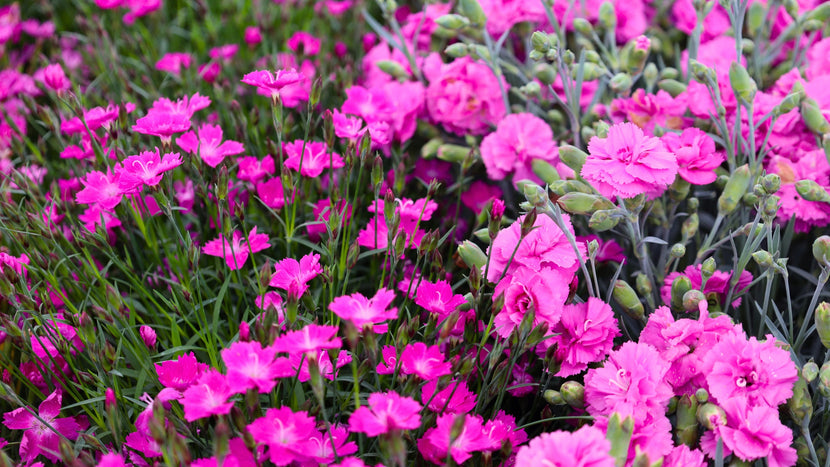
(438, 442)
(250, 366)
(236, 252)
(42, 437)
(310, 158)
(628, 163)
(696, 155)
(305, 43)
(207, 397)
(504, 14)
(311, 338)
(427, 363)
(286, 434)
(293, 276)
(181, 373)
(209, 145)
(584, 334)
(386, 412)
(818, 59)
(811, 165)
(438, 297)
(518, 140)
(362, 311)
(586, 446)
(146, 168)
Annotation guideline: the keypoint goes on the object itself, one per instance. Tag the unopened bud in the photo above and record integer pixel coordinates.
(452, 21)
(738, 184)
(643, 284)
(672, 86)
(472, 10)
(678, 250)
(702, 395)
(711, 416)
(691, 299)
(763, 258)
(628, 300)
(812, 191)
(573, 157)
(540, 41)
(800, 404)
(811, 113)
(679, 287)
(607, 16)
(604, 220)
(545, 171)
(457, 50)
(701, 72)
(824, 379)
(573, 393)
(823, 323)
(545, 73)
(453, 153)
(472, 255)
(809, 371)
(771, 183)
(583, 203)
(582, 26)
(620, 83)
(553, 397)
(392, 68)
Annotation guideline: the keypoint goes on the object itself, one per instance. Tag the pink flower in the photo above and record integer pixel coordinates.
(272, 83)
(146, 169)
(584, 334)
(100, 189)
(518, 140)
(504, 14)
(252, 169)
(478, 194)
(586, 446)
(55, 79)
(253, 36)
(386, 412)
(632, 382)
(818, 59)
(648, 111)
(311, 338)
(718, 284)
(542, 292)
(207, 397)
(327, 368)
(111, 459)
(272, 193)
(162, 124)
(305, 43)
(286, 434)
(454, 398)
(696, 156)
(322, 212)
(438, 297)
(148, 336)
(758, 372)
(293, 276)
(250, 366)
(682, 456)
(310, 158)
(628, 163)
(209, 145)
(438, 442)
(236, 252)
(42, 435)
(186, 106)
(351, 128)
(427, 363)
(95, 118)
(464, 96)
(237, 455)
(362, 311)
(810, 166)
(325, 444)
(389, 360)
(609, 250)
(173, 62)
(181, 373)
(651, 437)
(224, 52)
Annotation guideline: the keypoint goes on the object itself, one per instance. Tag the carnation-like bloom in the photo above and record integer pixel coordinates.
(147, 168)
(43, 433)
(100, 189)
(310, 158)
(207, 397)
(518, 140)
(648, 110)
(250, 366)
(651, 437)
(454, 398)
(181, 373)
(628, 163)
(293, 276)
(162, 124)
(327, 368)
(438, 442)
(632, 381)
(427, 363)
(759, 372)
(586, 446)
(584, 334)
(187, 105)
(718, 284)
(286, 434)
(362, 311)
(696, 155)
(541, 291)
(311, 338)
(387, 411)
(438, 297)
(252, 169)
(209, 145)
(272, 82)
(173, 62)
(236, 251)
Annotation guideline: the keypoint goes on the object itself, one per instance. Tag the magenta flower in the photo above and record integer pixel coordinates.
(719, 283)
(647, 110)
(345, 126)
(427, 363)
(310, 158)
(327, 368)
(54, 78)
(207, 397)
(438, 297)
(271, 193)
(454, 398)
(683, 456)
(362, 311)
(250, 366)
(438, 442)
(628, 163)
(293, 276)
(208, 144)
(586, 446)
(252, 169)
(237, 455)
(42, 437)
(308, 339)
(181, 373)
(632, 382)
(389, 360)
(236, 252)
(286, 434)
(479, 194)
(100, 189)
(518, 140)
(584, 334)
(173, 62)
(322, 212)
(253, 36)
(147, 168)
(111, 459)
(696, 155)
(543, 292)
(95, 118)
(148, 336)
(272, 83)
(304, 42)
(162, 124)
(186, 106)
(386, 412)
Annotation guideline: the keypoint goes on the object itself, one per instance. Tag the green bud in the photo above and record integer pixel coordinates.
(771, 183)
(800, 404)
(669, 73)
(553, 397)
(537, 56)
(770, 207)
(628, 300)
(573, 157)
(812, 191)
(552, 56)
(763, 258)
(700, 72)
(590, 71)
(679, 287)
(679, 189)
(790, 102)
(820, 13)
(457, 50)
(536, 195)
(601, 127)
(678, 250)
(540, 41)
(750, 199)
(607, 16)
(756, 15)
(479, 51)
(686, 430)
(560, 187)
(823, 323)
(707, 269)
(452, 21)
(472, 255)
(619, 434)
(583, 203)
(747, 46)
(650, 72)
(824, 379)
(430, 149)
(809, 371)
(821, 250)
(591, 56)
(644, 286)
(582, 26)
(739, 182)
(710, 416)
(671, 86)
(545, 73)
(811, 113)
(545, 171)
(531, 89)
(621, 82)
(453, 153)
(573, 393)
(473, 11)
(691, 299)
(689, 227)
(393, 69)
(604, 220)
(702, 395)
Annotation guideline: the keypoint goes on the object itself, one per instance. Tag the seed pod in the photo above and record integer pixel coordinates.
(739, 182)
(628, 300)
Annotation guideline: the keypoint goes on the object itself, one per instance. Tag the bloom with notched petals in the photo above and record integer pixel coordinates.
(207, 397)
(696, 155)
(518, 140)
(42, 433)
(209, 145)
(286, 434)
(236, 252)
(308, 339)
(272, 82)
(427, 363)
(584, 334)
(362, 311)
(584, 447)
(310, 158)
(146, 169)
(250, 366)
(438, 442)
(386, 412)
(162, 124)
(181, 373)
(293, 276)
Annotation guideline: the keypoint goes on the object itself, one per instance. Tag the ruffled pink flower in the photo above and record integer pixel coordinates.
(586, 446)
(696, 155)
(438, 442)
(628, 163)
(209, 145)
(207, 397)
(718, 284)
(293, 276)
(311, 338)
(386, 412)
(100, 189)
(683, 456)
(310, 158)
(146, 168)
(464, 96)
(272, 83)
(253, 36)
(427, 363)
(236, 251)
(181, 373)
(584, 334)
(286, 434)
(362, 311)
(162, 124)
(685, 19)
(250, 366)
(632, 381)
(818, 59)
(648, 111)
(504, 14)
(304, 42)
(542, 291)
(43, 434)
(811, 166)
(502, 429)
(454, 398)
(173, 62)
(518, 140)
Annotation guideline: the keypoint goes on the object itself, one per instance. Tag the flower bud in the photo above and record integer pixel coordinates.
(821, 250)
(573, 394)
(583, 203)
(479, 51)
(620, 83)
(545, 171)
(643, 284)
(710, 416)
(691, 299)
(689, 227)
(573, 157)
(823, 323)
(590, 71)
(148, 335)
(553, 397)
(700, 72)
(771, 183)
(457, 50)
(686, 430)
(582, 26)
(472, 10)
(679, 287)
(800, 404)
(528, 222)
(452, 21)
(809, 371)
(619, 434)
(678, 250)
(535, 195)
(812, 191)
(392, 68)
(671, 86)
(453, 153)
(811, 113)
(739, 182)
(604, 220)
(820, 13)
(702, 395)
(763, 258)
(607, 16)
(628, 300)
(540, 41)
(545, 73)
(824, 380)
(561, 187)
(110, 403)
(472, 255)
